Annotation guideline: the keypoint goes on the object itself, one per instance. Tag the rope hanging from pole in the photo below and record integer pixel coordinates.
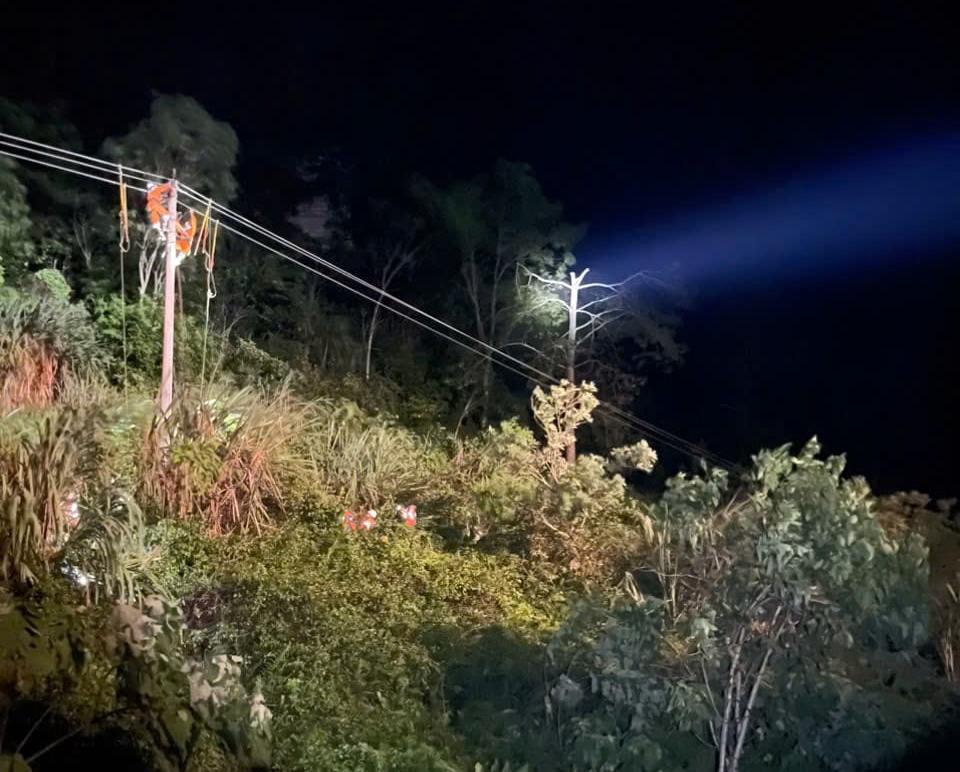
(207, 244)
(124, 245)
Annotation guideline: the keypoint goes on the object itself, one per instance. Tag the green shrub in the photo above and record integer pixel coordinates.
(578, 520)
(144, 324)
(123, 666)
(43, 342)
(492, 482)
(252, 366)
(50, 282)
(783, 629)
(64, 327)
(351, 635)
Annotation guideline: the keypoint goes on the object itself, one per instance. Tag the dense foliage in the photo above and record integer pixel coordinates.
(346, 549)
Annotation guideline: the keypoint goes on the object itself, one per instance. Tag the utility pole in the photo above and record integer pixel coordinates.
(169, 304)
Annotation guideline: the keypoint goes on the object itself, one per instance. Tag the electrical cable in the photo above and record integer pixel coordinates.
(226, 212)
(481, 348)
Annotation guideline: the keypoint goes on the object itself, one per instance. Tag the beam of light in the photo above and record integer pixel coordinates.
(869, 211)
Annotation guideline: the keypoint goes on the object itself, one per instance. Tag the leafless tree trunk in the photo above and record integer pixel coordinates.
(398, 258)
(744, 679)
(593, 321)
(81, 233)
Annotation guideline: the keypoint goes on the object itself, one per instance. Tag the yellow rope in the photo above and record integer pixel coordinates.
(209, 246)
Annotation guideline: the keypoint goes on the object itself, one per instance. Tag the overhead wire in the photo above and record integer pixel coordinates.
(67, 169)
(493, 350)
(655, 433)
(616, 414)
(620, 416)
(479, 347)
(90, 159)
(100, 166)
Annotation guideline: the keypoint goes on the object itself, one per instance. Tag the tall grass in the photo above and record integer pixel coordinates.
(364, 460)
(39, 473)
(42, 340)
(106, 550)
(223, 458)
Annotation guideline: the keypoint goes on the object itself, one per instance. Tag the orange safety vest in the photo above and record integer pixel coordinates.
(409, 515)
(185, 233)
(158, 207)
(158, 198)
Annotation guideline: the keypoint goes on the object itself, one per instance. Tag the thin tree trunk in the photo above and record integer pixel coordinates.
(463, 415)
(745, 722)
(572, 352)
(372, 332)
(728, 704)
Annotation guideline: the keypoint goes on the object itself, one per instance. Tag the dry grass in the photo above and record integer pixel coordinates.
(29, 376)
(223, 459)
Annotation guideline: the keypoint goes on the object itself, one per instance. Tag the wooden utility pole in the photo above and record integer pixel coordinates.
(169, 304)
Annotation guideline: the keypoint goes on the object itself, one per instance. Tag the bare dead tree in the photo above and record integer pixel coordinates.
(589, 307)
(397, 258)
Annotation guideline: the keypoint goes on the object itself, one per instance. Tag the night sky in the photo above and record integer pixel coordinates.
(643, 122)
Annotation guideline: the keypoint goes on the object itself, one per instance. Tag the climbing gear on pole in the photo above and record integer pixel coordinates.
(124, 248)
(124, 215)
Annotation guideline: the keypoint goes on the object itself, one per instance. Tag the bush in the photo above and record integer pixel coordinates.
(352, 634)
(144, 324)
(51, 283)
(780, 620)
(222, 459)
(121, 666)
(42, 342)
(577, 520)
(492, 482)
(589, 525)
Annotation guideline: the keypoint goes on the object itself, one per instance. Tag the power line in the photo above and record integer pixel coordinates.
(383, 294)
(485, 349)
(67, 169)
(143, 175)
(602, 407)
(616, 414)
(100, 166)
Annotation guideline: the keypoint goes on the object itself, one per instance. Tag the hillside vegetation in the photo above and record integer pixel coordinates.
(242, 583)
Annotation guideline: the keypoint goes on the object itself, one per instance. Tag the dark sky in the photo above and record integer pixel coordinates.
(631, 116)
